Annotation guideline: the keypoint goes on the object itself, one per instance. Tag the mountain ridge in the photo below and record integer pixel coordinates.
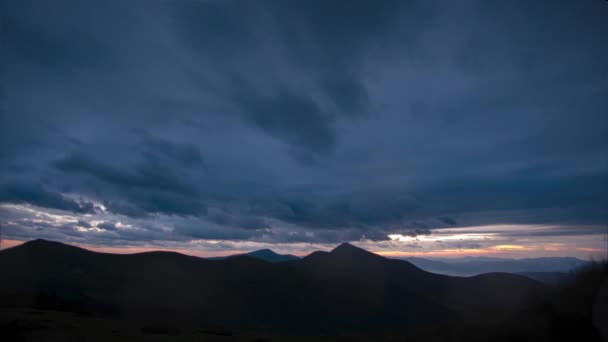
(265, 254)
(345, 290)
(473, 266)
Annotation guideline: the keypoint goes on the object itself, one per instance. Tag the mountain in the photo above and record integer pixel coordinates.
(271, 256)
(342, 291)
(263, 254)
(473, 266)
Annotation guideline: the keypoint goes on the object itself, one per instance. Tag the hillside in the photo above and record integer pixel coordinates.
(345, 290)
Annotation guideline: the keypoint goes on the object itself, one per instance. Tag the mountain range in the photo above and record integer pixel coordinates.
(345, 290)
(473, 266)
(262, 254)
(547, 269)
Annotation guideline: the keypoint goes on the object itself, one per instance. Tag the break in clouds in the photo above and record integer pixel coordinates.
(161, 122)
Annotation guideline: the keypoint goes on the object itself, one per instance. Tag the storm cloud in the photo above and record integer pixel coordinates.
(302, 121)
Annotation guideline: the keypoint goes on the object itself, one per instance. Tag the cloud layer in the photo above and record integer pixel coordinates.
(305, 122)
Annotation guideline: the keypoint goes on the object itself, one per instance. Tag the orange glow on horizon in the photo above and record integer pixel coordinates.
(10, 243)
(593, 250)
(206, 254)
(511, 247)
(504, 250)
(135, 249)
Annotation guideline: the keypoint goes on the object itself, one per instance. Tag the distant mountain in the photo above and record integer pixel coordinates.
(262, 254)
(342, 291)
(473, 266)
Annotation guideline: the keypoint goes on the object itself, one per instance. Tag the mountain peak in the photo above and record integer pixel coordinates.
(264, 251)
(36, 241)
(42, 242)
(271, 256)
(345, 254)
(45, 246)
(345, 246)
(346, 249)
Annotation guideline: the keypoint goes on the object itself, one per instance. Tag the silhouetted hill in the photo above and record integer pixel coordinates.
(271, 256)
(472, 266)
(262, 254)
(345, 290)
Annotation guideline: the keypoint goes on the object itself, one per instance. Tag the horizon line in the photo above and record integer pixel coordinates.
(130, 250)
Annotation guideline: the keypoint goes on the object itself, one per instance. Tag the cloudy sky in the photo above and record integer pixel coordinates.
(408, 128)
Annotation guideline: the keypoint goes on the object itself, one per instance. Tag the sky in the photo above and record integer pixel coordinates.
(428, 128)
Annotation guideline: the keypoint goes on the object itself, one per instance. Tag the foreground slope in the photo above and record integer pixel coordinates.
(345, 290)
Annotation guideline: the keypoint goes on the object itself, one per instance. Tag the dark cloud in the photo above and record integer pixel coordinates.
(163, 202)
(35, 194)
(83, 223)
(107, 226)
(33, 32)
(291, 117)
(153, 183)
(125, 208)
(448, 220)
(236, 220)
(140, 177)
(157, 151)
(213, 232)
(322, 44)
(316, 121)
(146, 189)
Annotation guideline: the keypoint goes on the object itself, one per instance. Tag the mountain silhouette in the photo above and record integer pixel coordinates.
(271, 256)
(346, 250)
(471, 266)
(262, 254)
(346, 290)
